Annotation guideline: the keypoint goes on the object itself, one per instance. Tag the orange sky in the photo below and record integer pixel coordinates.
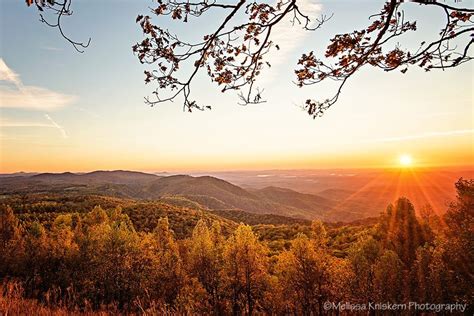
(57, 159)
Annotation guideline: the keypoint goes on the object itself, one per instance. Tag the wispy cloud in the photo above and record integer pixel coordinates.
(424, 135)
(87, 111)
(28, 97)
(9, 123)
(51, 48)
(8, 75)
(34, 98)
(56, 125)
(289, 36)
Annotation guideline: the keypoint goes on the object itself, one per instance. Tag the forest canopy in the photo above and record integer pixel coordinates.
(105, 260)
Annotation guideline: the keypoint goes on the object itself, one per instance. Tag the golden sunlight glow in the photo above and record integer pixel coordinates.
(405, 160)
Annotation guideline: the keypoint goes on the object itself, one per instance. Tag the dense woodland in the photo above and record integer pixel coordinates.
(126, 256)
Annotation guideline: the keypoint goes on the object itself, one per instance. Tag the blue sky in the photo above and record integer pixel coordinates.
(89, 112)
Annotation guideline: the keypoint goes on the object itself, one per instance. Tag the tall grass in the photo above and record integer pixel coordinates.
(13, 302)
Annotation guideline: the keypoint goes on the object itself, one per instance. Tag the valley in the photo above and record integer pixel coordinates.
(297, 195)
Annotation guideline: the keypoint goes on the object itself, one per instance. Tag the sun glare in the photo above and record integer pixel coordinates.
(405, 160)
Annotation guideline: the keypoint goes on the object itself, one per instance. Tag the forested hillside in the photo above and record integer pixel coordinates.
(204, 191)
(61, 254)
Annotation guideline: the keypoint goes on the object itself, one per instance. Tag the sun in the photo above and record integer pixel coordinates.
(405, 160)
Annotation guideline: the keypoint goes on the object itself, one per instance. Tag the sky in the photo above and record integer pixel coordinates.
(65, 111)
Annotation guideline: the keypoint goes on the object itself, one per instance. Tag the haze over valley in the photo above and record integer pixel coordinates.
(329, 195)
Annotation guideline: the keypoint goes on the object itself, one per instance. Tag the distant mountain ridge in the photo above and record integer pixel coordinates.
(208, 192)
(18, 174)
(115, 176)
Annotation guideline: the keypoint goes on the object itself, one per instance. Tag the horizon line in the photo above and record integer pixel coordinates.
(209, 171)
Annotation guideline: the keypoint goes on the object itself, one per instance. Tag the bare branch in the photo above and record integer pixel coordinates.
(60, 9)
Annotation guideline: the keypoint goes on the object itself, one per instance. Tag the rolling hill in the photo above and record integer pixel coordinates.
(116, 176)
(204, 192)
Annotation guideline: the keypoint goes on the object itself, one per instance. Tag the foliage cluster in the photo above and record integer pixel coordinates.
(98, 260)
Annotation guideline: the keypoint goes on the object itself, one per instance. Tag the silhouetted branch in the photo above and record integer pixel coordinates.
(60, 9)
(359, 48)
(233, 55)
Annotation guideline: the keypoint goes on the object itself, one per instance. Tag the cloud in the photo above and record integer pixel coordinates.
(8, 123)
(56, 125)
(34, 98)
(51, 48)
(424, 135)
(28, 97)
(289, 36)
(86, 111)
(6, 74)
